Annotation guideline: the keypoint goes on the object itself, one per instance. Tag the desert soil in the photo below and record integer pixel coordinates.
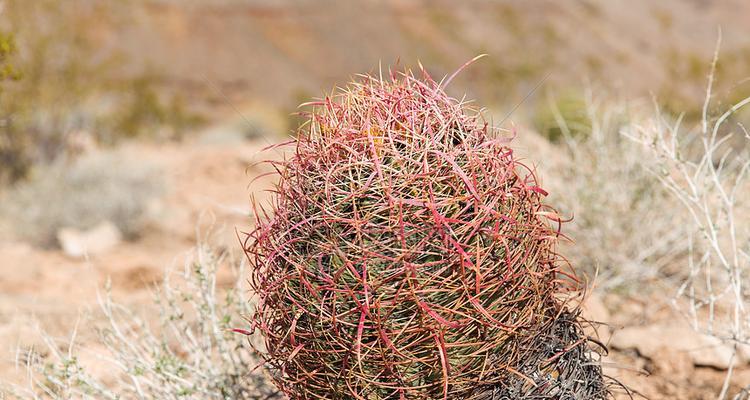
(208, 195)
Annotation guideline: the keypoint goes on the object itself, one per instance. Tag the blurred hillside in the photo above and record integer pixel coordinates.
(99, 72)
(285, 51)
(282, 50)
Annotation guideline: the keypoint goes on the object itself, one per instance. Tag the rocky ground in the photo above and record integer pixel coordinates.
(652, 350)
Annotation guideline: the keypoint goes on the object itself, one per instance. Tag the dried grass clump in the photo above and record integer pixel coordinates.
(178, 347)
(110, 186)
(707, 169)
(603, 179)
(408, 254)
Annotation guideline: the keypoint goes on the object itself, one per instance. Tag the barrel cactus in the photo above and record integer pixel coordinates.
(408, 254)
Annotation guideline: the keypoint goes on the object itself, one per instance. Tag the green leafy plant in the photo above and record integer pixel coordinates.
(562, 116)
(7, 51)
(13, 161)
(408, 254)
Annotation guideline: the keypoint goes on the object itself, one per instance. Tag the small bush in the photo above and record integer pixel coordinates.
(563, 116)
(625, 225)
(7, 52)
(190, 354)
(70, 85)
(13, 161)
(144, 111)
(707, 170)
(110, 187)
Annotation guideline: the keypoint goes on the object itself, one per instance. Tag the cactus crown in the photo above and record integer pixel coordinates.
(408, 254)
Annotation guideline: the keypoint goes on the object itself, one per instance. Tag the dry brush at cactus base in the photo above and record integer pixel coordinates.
(408, 254)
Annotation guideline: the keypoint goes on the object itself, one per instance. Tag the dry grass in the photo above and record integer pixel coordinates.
(706, 170)
(625, 226)
(190, 353)
(113, 187)
(656, 200)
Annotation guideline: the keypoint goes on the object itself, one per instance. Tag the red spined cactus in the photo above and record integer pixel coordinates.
(408, 254)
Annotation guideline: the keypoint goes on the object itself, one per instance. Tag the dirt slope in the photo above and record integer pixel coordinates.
(280, 51)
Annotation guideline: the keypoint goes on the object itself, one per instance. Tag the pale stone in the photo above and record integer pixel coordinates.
(97, 240)
(657, 340)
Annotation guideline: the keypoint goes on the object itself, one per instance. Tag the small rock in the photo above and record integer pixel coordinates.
(654, 341)
(97, 240)
(675, 364)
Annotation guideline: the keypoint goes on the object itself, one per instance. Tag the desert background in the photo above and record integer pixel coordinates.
(130, 133)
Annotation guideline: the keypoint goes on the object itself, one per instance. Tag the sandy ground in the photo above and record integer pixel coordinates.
(207, 191)
(207, 196)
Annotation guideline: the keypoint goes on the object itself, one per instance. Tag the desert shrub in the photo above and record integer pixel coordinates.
(12, 160)
(562, 116)
(58, 73)
(191, 353)
(624, 223)
(143, 112)
(114, 187)
(408, 254)
(7, 51)
(70, 85)
(706, 169)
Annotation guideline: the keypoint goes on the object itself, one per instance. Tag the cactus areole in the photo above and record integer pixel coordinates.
(407, 254)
